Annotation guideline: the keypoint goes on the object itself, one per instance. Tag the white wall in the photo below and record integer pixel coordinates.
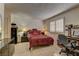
(2, 18)
(71, 17)
(2, 24)
(5, 23)
(23, 19)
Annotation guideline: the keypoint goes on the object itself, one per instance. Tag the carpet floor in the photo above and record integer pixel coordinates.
(22, 49)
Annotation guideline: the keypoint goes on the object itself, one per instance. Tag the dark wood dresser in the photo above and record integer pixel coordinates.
(24, 39)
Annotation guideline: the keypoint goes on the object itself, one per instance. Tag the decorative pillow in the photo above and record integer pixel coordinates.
(35, 32)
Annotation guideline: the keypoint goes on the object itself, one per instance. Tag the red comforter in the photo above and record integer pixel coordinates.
(36, 40)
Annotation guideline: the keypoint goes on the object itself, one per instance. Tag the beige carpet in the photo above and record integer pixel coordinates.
(22, 49)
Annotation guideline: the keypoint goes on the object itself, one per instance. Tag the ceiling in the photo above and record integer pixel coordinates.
(40, 11)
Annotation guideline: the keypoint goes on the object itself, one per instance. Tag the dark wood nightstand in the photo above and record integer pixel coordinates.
(24, 39)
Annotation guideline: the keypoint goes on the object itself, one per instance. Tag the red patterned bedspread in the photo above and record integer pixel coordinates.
(36, 40)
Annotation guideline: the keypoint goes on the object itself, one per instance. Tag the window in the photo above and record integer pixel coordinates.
(52, 26)
(57, 25)
(60, 25)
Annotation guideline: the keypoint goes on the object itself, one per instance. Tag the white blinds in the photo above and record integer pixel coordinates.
(57, 25)
(52, 26)
(60, 25)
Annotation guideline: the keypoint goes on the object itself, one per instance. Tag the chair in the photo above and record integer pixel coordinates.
(66, 46)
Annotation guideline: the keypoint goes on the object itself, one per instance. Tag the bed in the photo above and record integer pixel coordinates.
(37, 38)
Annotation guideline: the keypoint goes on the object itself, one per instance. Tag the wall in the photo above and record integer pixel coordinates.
(2, 17)
(71, 17)
(2, 24)
(7, 25)
(25, 20)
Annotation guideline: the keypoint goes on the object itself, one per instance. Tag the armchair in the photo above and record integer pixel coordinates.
(66, 46)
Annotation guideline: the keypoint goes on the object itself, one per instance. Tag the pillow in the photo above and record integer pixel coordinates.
(35, 33)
